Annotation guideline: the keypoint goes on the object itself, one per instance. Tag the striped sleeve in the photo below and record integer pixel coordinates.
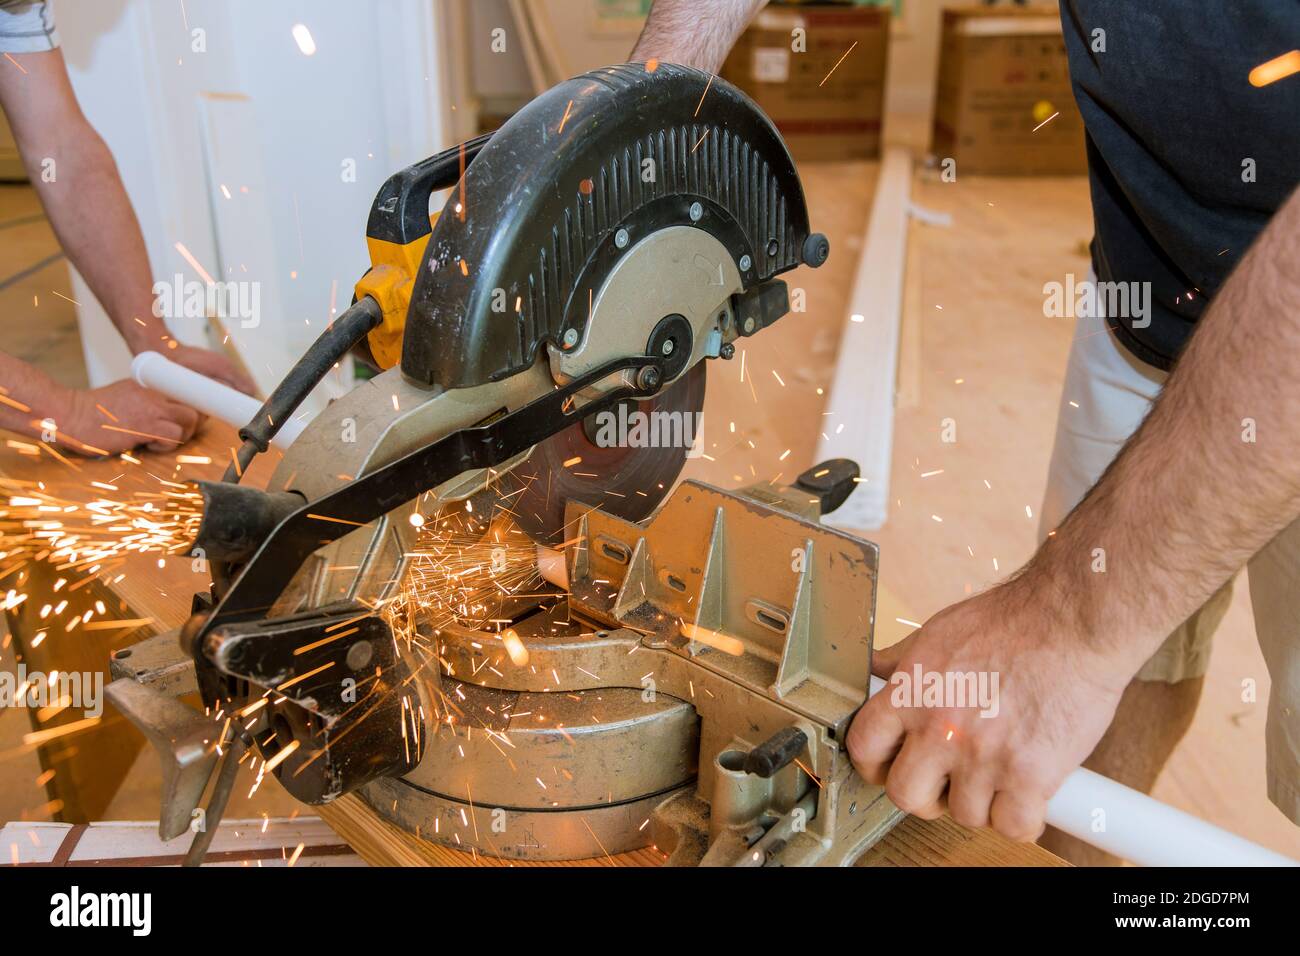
(27, 26)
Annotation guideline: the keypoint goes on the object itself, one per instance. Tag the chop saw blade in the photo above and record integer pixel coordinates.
(624, 461)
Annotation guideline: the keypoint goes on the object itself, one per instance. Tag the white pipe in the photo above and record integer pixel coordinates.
(1146, 831)
(552, 566)
(156, 371)
(1142, 830)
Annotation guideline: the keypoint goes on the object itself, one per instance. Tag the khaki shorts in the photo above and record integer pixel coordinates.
(1111, 391)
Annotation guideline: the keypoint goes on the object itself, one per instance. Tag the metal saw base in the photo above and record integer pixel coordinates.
(543, 835)
(689, 644)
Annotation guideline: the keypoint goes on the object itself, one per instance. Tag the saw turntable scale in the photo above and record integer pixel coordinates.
(689, 682)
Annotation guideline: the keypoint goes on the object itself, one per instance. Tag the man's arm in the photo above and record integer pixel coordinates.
(1186, 503)
(694, 33)
(88, 207)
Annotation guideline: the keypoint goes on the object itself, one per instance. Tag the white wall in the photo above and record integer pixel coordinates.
(253, 112)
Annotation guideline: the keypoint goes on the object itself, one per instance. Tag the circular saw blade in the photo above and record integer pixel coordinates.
(627, 478)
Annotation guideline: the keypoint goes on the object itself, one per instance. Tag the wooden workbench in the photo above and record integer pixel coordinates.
(90, 764)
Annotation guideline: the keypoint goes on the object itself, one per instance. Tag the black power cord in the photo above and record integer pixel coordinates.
(343, 333)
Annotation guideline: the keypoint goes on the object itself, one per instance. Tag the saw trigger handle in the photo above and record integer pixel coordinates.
(396, 235)
(400, 212)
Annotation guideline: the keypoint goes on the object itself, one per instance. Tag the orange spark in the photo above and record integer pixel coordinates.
(837, 63)
(1276, 69)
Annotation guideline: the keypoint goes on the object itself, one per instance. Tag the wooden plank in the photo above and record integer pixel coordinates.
(862, 392)
(945, 843)
(911, 323)
(913, 842)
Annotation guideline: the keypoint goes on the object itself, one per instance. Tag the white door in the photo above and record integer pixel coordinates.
(252, 137)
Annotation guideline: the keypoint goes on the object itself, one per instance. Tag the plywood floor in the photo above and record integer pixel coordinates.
(38, 320)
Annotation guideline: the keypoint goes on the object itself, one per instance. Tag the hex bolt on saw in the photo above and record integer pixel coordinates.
(457, 601)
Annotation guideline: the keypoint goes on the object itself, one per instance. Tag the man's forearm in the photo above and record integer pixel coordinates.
(78, 184)
(28, 396)
(696, 33)
(101, 237)
(1210, 477)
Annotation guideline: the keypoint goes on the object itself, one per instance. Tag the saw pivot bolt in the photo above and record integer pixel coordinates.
(727, 351)
(673, 341)
(648, 378)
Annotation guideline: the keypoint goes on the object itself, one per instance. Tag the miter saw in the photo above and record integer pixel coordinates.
(690, 682)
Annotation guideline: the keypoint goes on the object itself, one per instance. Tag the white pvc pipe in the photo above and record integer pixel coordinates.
(552, 566)
(156, 371)
(1146, 831)
(1142, 830)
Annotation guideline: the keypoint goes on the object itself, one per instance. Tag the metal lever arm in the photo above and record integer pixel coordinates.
(371, 496)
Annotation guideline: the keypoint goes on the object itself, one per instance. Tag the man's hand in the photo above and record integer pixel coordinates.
(212, 364)
(1055, 696)
(124, 415)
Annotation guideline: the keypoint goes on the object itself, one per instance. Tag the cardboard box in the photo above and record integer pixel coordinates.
(823, 87)
(1002, 73)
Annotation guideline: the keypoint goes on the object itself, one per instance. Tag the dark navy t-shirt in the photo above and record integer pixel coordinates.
(1187, 160)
